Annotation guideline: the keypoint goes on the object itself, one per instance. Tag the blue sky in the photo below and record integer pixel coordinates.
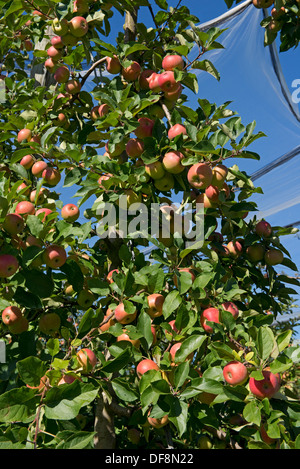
(247, 79)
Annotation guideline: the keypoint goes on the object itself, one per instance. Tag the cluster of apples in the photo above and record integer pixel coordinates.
(276, 13)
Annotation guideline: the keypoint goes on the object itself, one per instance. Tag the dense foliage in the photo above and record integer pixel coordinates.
(81, 314)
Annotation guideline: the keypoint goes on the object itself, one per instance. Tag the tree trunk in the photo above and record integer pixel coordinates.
(38, 71)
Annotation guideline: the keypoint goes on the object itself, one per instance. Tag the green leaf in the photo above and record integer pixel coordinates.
(124, 390)
(65, 402)
(172, 301)
(118, 363)
(74, 440)
(38, 283)
(18, 405)
(189, 346)
(208, 67)
(265, 342)
(31, 370)
(181, 374)
(252, 413)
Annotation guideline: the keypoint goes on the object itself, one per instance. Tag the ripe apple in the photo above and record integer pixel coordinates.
(54, 256)
(73, 86)
(145, 78)
(235, 373)
(166, 183)
(51, 176)
(145, 128)
(265, 437)
(231, 308)
(122, 316)
(203, 199)
(167, 82)
(262, 3)
(85, 298)
(211, 315)
(54, 53)
(172, 162)
(70, 212)
(200, 176)
(235, 249)
(27, 161)
(158, 422)
(153, 83)
(20, 326)
(132, 72)
(62, 74)
(263, 229)
(184, 269)
(50, 65)
(49, 323)
(155, 170)
(109, 276)
(172, 61)
(38, 167)
(124, 336)
(56, 42)
(267, 387)
(11, 314)
(219, 173)
(103, 109)
(60, 27)
(38, 198)
(25, 208)
(78, 26)
(21, 188)
(113, 65)
(45, 211)
(87, 360)
(24, 135)
(177, 129)
(173, 94)
(212, 193)
(273, 257)
(134, 147)
(8, 265)
(155, 303)
(67, 378)
(146, 365)
(110, 322)
(256, 252)
(13, 223)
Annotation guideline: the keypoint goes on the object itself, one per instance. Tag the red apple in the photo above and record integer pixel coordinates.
(38, 198)
(122, 316)
(172, 162)
(134, 147)
(173, 94)
(55, 256)
(158, 423)
(103, 109)
(132, 72)
(235, 373)
(87, 360)
(13, 223)
(153, 83)
(25, 208)
(267, 387)
(109, 276)
(231, 308)
(146, 365)
(54, 53)
(155, 303)
(45, 211)
(62, 74)
(8, 265)
(145, 78)
(124, 336)
(211, 315)
(27, 161)
(56, 42)
(170, 62)
(20, 326)
(235, 249)
(73, 86)
(51, 176)
(263, 229)
(49, 323)
(50, 65)
(145, 128)
(175, 130)
(78, 26)
(212, 193)
(70, 212)
(200, 175)
(24, 134)
(38, 167)
(11, 314)
(167, 82)
(113, 65)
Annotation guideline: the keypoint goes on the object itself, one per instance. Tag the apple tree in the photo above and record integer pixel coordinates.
(143, 339)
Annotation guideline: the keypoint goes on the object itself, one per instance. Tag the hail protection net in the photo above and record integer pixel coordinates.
(253, 79)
